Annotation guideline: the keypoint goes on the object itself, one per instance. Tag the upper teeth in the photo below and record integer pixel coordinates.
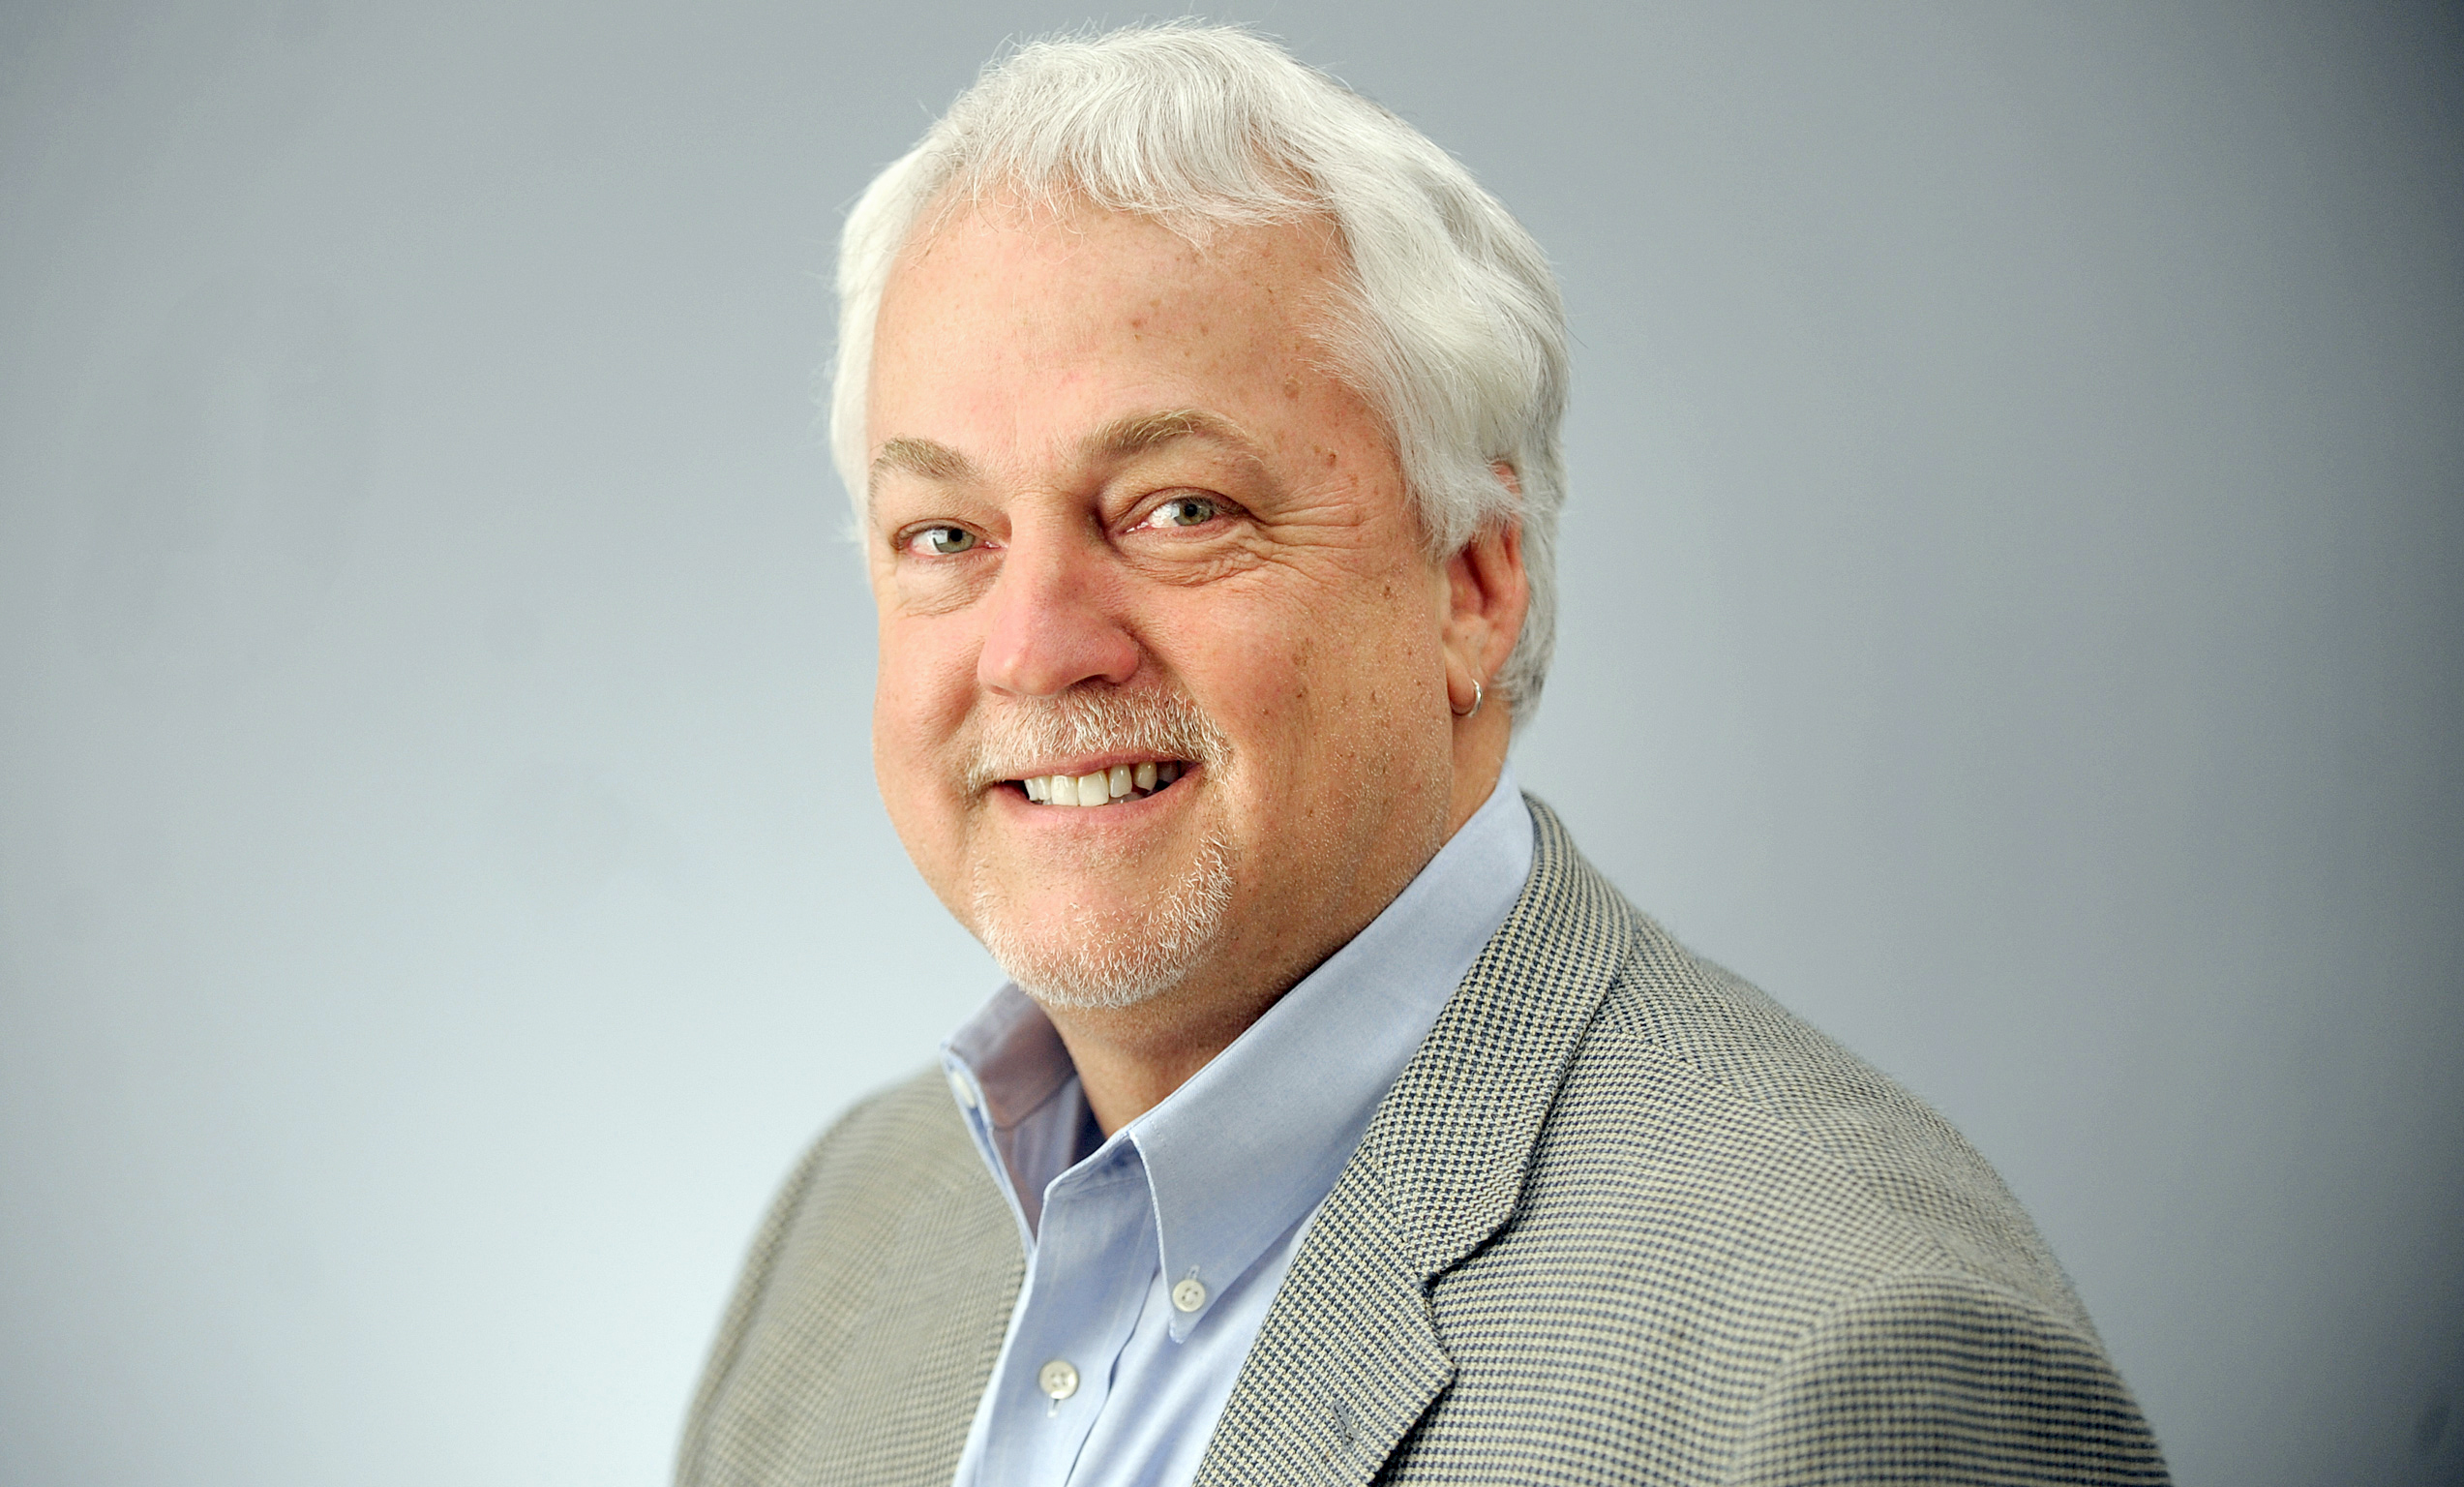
(1103, 787)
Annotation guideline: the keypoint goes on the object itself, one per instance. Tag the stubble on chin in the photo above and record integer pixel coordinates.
(1089, 957)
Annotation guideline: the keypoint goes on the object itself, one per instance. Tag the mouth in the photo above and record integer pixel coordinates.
(1112, 785)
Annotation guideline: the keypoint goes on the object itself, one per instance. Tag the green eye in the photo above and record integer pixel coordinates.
(941, 541)
(1185, 511)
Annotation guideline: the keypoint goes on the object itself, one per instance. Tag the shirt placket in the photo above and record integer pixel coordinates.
(1093, 1263)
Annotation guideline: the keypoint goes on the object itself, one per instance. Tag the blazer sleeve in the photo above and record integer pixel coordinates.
(760, 1261)
(1943, 1378)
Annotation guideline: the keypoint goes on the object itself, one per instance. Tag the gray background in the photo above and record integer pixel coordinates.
(2012, 613)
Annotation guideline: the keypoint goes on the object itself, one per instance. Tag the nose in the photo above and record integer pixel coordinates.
(1050, 620)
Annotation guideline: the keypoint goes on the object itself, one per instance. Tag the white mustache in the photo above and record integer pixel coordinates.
(1022, 736)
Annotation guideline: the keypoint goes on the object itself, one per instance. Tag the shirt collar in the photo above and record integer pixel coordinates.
(1254, 1141)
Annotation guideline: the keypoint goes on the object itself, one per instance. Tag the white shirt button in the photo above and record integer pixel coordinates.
(1058, 1379)
(1189, 1295)
(963, 1087)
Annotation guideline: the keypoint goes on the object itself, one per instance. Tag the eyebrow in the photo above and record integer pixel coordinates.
(923, 457)
(1142, 431)
(1120, 439)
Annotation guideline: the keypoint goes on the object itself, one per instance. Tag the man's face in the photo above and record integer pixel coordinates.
(1123, 514)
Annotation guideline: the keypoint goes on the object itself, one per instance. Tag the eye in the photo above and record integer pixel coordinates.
(939, 541)
(1185, 511)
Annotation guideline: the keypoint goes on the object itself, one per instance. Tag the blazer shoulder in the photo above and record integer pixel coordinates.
(1623, 1217)
(898, 1134)
(869, 1309)
(1927, 1377)
(1896, 1178)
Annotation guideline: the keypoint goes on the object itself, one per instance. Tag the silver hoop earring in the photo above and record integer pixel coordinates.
(1479, 696)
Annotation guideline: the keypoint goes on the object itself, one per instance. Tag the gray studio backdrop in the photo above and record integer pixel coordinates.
(2012, 613)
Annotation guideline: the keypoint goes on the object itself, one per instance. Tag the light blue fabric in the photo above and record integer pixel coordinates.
(1215, 1185)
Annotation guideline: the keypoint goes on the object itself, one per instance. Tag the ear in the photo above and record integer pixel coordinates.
(1488, 595)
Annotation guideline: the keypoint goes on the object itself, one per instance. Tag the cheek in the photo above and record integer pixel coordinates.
(914, 770)
(1352, 678)
(1377, 696)
(919, 703)
(1379, 637)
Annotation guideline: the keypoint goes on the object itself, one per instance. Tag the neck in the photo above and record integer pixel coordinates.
(1130, 1059)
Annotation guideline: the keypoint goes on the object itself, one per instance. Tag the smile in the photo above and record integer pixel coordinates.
(1102, 787)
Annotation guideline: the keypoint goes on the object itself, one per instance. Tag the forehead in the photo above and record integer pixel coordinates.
(997, 310)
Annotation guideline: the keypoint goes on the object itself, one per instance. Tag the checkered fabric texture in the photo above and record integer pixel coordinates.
(1621, 1218)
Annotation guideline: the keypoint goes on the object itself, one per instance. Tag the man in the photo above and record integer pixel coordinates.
(1341, 1122)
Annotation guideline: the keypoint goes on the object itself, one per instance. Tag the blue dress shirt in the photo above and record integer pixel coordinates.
(1151, 1257)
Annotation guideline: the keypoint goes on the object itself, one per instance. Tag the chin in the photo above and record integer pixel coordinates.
(1113, 958)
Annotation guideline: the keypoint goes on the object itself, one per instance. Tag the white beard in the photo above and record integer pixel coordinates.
(1114, 960)
(1119, 959)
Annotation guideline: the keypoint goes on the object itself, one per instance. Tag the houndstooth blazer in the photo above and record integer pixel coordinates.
(1621, 1218)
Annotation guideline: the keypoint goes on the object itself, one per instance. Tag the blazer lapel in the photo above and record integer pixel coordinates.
(1347, 1361)
(1349, 1357)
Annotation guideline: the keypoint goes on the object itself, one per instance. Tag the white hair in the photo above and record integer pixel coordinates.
(1451, 327)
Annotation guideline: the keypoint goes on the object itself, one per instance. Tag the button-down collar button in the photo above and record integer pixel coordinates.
(1189, 1295)
(963, 1087)
(1058, 1379)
